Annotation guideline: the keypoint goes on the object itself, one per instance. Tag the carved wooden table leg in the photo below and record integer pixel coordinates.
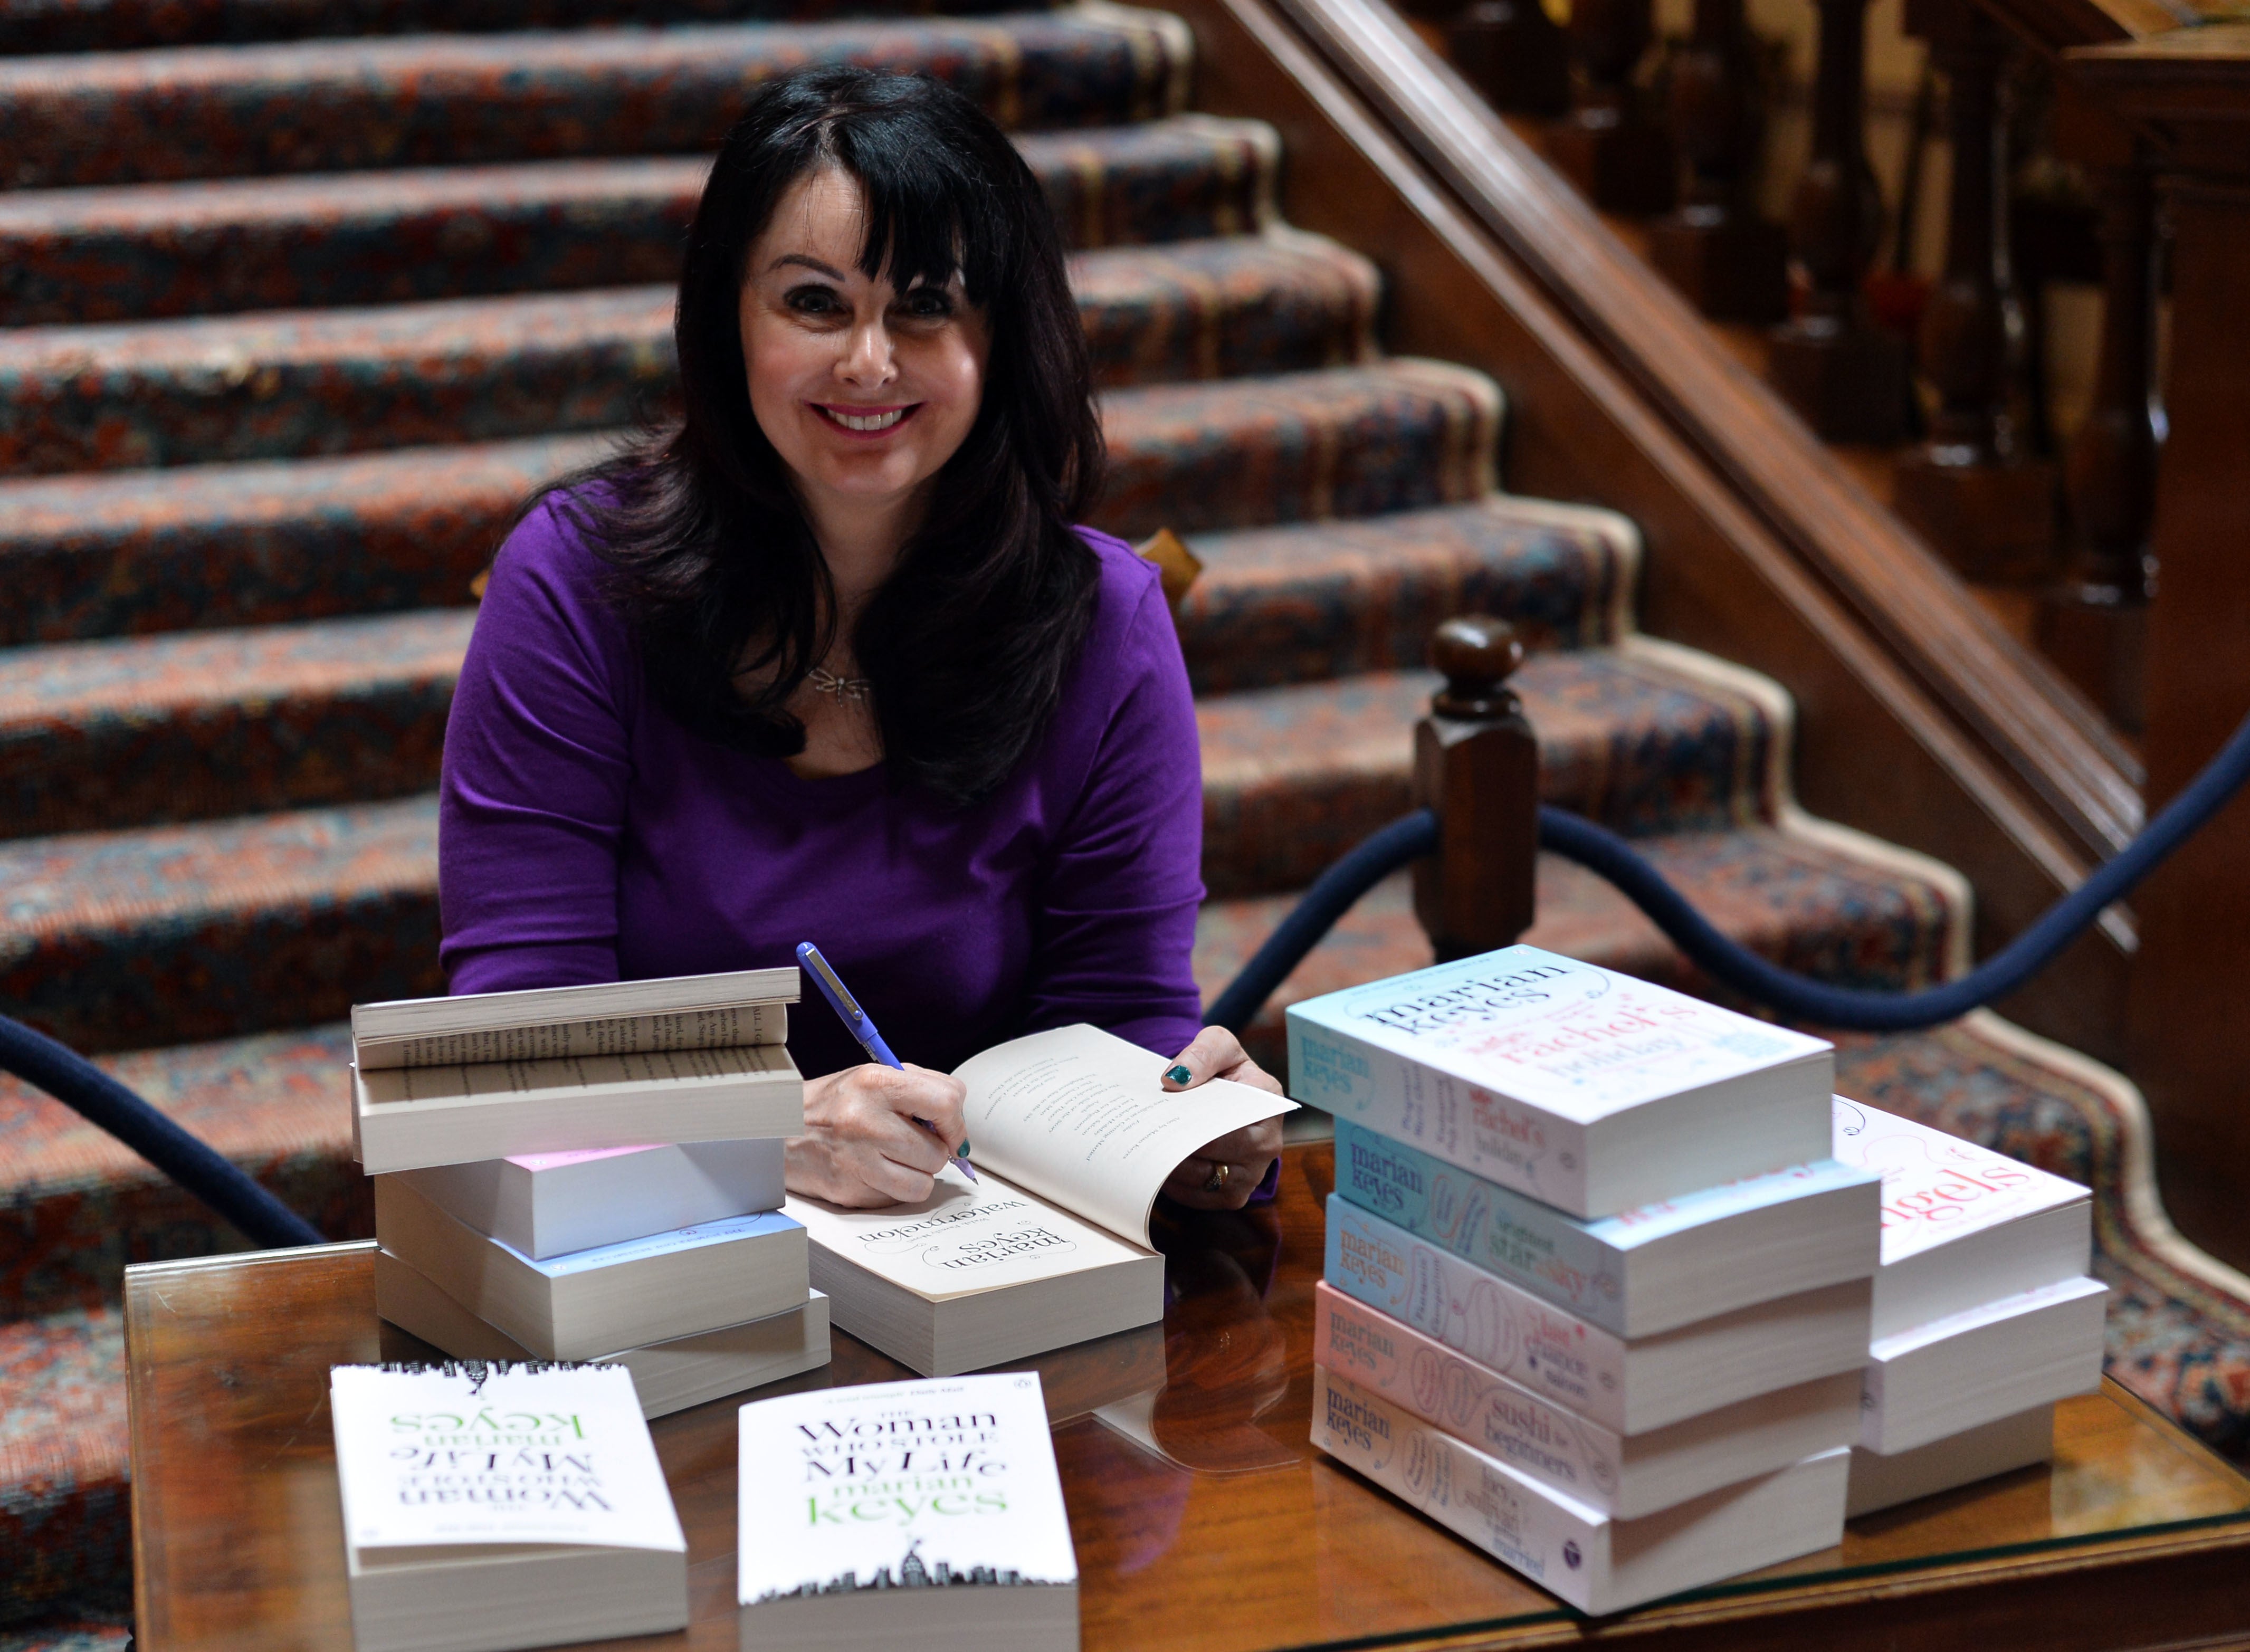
(1732, 264)
(1619, 159)
(2094, 625)
(1847, 379)
(1476, 762)
(1514, 53)
(1973, 490)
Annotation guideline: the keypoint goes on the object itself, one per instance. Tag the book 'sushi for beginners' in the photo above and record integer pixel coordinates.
(1585, 1089)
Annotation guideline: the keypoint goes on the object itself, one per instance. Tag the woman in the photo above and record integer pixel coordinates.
(830, 661)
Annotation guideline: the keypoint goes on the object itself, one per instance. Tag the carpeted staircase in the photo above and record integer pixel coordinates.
(297, 299)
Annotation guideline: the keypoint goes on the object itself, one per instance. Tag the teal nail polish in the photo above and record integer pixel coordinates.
(1179, 1076)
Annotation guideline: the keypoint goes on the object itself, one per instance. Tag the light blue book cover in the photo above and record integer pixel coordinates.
(758, 1224)
(1572, 1261)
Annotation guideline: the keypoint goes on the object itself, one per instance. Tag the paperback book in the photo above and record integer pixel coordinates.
(1961, 1224)
(2016, 1441)
(550, 1204)
(1618, 1474)
(1641, 1271)
(1986, 1363)
(617, 1296)
(925, 1514)
(1630, 1387)
(495, 1506)
(668, 1376)
(697, 1058)
(1595, 1562)
(1587, 1089)
(1074, 1135)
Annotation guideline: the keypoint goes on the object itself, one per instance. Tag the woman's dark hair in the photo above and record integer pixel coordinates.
(708, 551)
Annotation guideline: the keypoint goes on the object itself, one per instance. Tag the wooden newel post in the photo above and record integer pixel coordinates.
(1476, 763)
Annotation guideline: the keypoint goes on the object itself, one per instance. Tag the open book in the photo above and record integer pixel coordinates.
(1074, 1134)
(444, 1081)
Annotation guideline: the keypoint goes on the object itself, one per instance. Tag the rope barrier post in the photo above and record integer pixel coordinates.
(1476, 766)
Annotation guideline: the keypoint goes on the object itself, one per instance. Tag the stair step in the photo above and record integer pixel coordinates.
(129, 939)
(1294, 776)
(217, 112)
(122, 25)
(81, 1207)
(198, 725)
(1316, 600)
(65, 1525)
(1397, 435)
(117, 552)
(143, 251)
(1795, 899)
(204, 724)
(106, 553)
(276, 385)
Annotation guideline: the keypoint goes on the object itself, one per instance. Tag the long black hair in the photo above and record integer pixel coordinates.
(707, 550)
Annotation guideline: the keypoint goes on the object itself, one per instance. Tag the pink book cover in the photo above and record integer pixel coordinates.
(1469, 1402)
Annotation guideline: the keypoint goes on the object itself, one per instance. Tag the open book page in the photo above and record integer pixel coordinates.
(716, 1029)
(1080, 1117)
(962, 1239)
(444, 1454)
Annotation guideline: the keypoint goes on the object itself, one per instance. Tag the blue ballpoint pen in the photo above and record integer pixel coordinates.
(856, 1022)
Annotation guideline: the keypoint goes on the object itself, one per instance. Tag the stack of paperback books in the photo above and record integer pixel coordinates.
(593, 1174)
(1596, 1296)
(1984, 1317)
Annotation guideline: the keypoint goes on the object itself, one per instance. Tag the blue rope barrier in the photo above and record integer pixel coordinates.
(78, 1084)
(1333, 894)
(1796, 997)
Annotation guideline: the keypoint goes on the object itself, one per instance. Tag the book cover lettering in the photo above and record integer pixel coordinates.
(1937, 1186)
(946, 1483)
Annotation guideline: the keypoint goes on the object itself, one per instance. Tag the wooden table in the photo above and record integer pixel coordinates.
(1203, 1518)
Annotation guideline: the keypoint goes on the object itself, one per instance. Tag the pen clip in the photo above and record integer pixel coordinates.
(838, 994)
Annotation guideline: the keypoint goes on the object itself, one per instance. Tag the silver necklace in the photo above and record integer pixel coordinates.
(854, 689)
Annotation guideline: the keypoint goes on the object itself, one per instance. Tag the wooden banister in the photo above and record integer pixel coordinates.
(1731, 264)
(1974, 489)
(1607, 146)
(1927, 723)
(1846, 378)
(1476, 763)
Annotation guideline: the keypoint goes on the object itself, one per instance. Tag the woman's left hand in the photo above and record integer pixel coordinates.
(1247, 1153)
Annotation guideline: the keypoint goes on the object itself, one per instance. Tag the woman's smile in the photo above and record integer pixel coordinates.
(865, 421)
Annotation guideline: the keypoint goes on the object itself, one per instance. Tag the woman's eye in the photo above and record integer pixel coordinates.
(813, 300)
(926, 305)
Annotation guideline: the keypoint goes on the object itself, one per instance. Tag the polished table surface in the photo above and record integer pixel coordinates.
(1203, 1518)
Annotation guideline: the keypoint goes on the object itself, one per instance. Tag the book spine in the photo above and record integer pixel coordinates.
(1461, 1490)
(1500, 1325)
(723, 1028)
(1449, 1391)
(1515, 1143)
(1520, 1239)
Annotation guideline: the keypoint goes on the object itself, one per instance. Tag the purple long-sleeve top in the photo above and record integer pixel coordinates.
(586, 835)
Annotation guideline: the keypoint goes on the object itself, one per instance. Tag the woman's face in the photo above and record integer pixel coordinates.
(865, 392)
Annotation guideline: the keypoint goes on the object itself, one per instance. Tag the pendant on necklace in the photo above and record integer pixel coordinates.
(854, 689)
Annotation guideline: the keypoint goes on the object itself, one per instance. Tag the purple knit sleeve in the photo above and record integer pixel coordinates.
(1117, 924)
(532, 795)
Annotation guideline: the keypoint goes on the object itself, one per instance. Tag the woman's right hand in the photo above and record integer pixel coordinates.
(862, 1147)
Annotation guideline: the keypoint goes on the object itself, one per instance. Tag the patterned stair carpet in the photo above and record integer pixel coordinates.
(289, 325)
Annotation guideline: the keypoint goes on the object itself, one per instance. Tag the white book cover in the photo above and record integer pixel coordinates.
(1973, 1367)
(1961, 1224)
(456, 1454)
(1937, 1188)
(1586, 1089)
(945, 1483)
(965, 1237)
